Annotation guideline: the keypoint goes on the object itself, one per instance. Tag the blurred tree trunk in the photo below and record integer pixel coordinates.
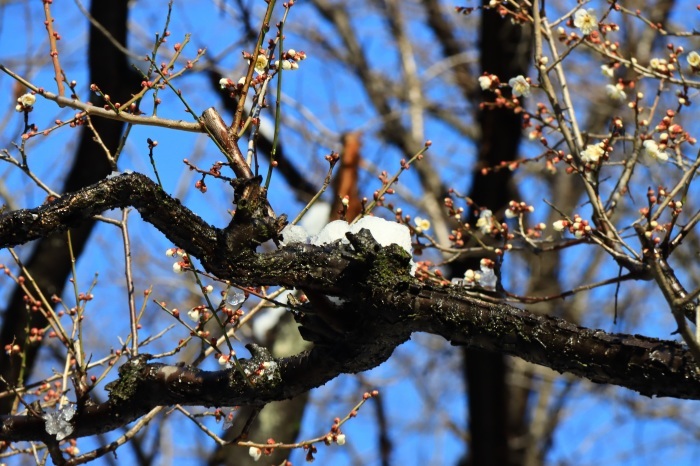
(496, 409)
(50, 263)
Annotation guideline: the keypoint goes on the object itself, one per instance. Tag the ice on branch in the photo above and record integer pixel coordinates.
(383, 231)
(58, 422)
(294, 234)
(333, 231)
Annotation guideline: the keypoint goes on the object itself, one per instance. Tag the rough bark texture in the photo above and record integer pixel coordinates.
(384, 305)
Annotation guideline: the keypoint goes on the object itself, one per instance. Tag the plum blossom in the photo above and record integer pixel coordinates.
(25, 102)
(560, 225)
(616, 92)
(422, 224)
(653, 153)
(255, 453)
(520, 86)
(586, 20)
(592, 153)
(484, 221)
(607, 70)
(485, 82)
(261, 63)
(194, 314)
(693, 59)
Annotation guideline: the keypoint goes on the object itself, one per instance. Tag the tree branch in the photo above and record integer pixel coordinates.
(383, 306)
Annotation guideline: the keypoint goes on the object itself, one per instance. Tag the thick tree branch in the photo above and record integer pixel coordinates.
(383, 306)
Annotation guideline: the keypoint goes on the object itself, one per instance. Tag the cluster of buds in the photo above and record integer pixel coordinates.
(657, 197)
(72, 448)
(36, 334)
(12, 348)
(335, 435)
(652, 228)
(662, 66)
(485, 278)
(672, 133)
(196, 313)
(225, 360)
(516, 209)
(183, 264)
(454, 212)
(488, 225)
(290, 60)
(578, 227)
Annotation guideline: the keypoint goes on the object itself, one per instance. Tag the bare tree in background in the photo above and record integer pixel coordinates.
(555, 198)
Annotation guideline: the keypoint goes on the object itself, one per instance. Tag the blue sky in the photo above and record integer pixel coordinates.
(598, 425)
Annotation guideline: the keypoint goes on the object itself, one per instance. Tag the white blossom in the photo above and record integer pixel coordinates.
(693, 59)
(25, 101)
(255, 453)
(340, 439)
(422, 224)
(194, 314)
(261, 64)
(284, 64)
(58, 422)
(559, 225)
(485, 82)
(585, 20)
(484, 221)
(520, 86)
(224, 83)
(652, 153)
(592, 153)
(616, 92)
(608, 71)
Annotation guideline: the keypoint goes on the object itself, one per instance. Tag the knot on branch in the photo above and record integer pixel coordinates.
(261, 370)
(131, 374)
(383, 269)
(254, 221)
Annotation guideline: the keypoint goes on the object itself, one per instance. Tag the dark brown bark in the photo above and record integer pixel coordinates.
(384, 305)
